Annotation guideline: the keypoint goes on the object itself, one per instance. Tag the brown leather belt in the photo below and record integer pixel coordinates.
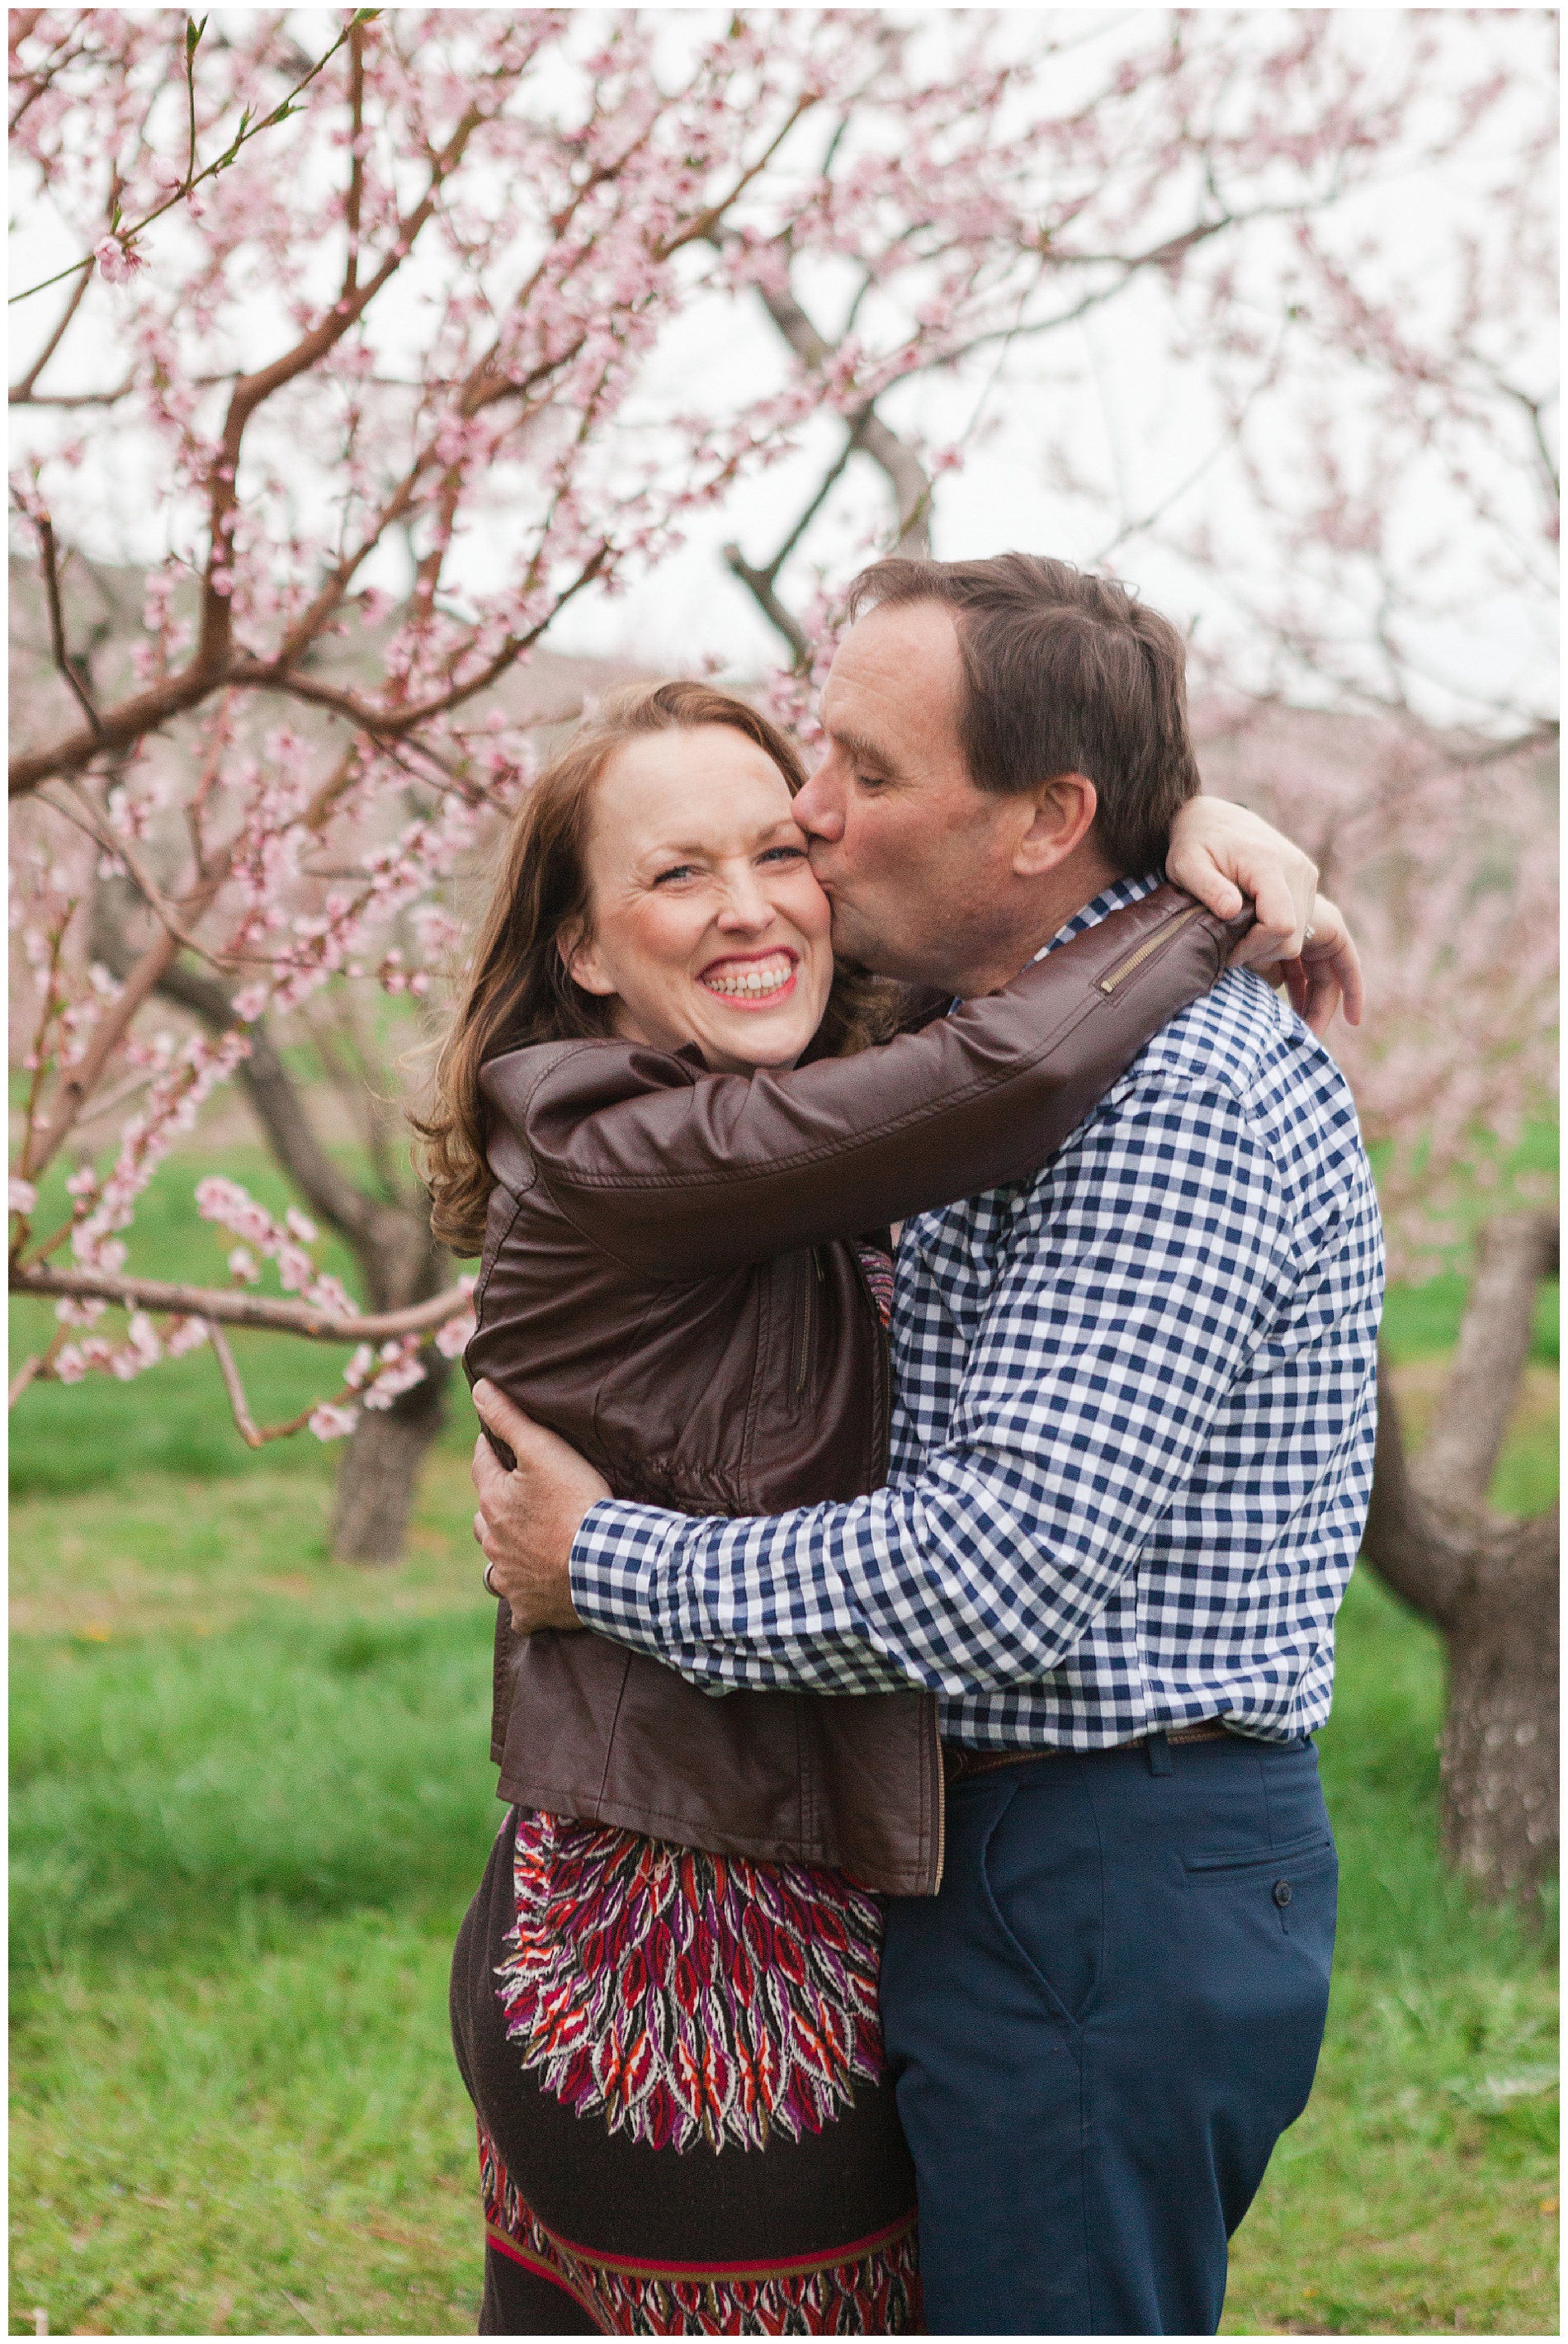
(958, 1764)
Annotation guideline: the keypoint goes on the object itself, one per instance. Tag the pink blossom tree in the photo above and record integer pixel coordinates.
(377, 352)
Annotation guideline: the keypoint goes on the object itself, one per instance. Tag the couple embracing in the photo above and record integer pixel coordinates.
(925, 1340)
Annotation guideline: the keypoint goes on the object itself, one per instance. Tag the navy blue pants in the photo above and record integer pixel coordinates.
(1101, 2026)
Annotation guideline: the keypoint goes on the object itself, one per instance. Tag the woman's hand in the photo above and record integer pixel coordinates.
(1325, 973)
(528, 1518)
(1222, 853)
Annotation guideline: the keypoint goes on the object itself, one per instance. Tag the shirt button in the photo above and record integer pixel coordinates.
(1283, 1892)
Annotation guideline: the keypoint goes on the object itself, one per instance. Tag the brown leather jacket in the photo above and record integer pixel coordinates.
(668, 1281)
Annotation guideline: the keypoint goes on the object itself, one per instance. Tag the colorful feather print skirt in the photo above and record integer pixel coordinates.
(686, 2124)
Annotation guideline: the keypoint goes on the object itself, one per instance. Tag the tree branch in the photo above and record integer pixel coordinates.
(1515, 1252)
(211, 662)
(866, 435)
(45, 529)
(759, 584)
(229, 1307)
(280, 1110)
(41, 1146)
(21, 393)
(905, 472)
(1425, 1559)
(254, 1435)
(1430, 1531)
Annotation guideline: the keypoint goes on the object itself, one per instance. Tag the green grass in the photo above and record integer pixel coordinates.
(251, 1800)
(1418, 2194)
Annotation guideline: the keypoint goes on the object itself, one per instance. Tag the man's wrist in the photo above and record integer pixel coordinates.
(617, 1572)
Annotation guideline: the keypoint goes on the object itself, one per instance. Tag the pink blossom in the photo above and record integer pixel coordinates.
(453, 1335)
(330, 1422)
(119, 261)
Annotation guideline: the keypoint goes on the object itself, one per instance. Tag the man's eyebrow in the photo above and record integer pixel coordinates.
(865, 752)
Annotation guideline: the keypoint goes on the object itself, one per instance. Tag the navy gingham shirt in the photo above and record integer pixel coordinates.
(1132, 1432)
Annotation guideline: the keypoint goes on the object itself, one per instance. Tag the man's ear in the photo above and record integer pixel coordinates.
(580, 958)
(1061, 815)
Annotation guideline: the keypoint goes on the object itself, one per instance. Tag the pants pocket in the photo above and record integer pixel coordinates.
(1042, 1886)
(1281, 1874)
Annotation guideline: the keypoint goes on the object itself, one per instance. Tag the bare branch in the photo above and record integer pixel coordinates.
(1515, 1251)
(245, 1423)
(1425, 1559)
(21, 393)
(17, 396)
(228, 1306)
(254, 1435)
(63, 660)
(271, 1091)
(759, 583)
(905, 472)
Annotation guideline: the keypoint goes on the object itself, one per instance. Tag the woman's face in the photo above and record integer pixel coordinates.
(704, 921)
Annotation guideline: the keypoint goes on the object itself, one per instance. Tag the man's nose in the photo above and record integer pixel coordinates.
(816, 811)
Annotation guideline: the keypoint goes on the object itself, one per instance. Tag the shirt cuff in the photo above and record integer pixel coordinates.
(619, 1556)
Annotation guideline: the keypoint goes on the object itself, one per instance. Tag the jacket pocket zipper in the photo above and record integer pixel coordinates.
(1135, 959)
(805, 1330)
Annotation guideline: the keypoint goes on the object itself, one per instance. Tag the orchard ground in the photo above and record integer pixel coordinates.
(252, 1799)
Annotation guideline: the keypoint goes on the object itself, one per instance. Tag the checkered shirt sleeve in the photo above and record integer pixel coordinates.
(1132, 1444)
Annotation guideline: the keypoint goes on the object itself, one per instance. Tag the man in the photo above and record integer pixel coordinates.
(1132, 1450)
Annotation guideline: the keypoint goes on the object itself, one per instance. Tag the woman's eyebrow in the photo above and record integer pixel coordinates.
(698, 850)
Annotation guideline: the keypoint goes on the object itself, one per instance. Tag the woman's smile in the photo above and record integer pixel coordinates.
(751, 981)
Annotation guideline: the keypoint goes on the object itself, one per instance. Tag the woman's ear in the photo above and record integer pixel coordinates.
(580, 958)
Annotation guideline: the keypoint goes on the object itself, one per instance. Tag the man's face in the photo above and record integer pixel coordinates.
(916, 861)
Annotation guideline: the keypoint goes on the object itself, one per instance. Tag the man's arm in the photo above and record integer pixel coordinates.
(1155, 1250)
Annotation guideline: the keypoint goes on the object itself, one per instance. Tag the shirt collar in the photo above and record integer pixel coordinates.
(1110, 899)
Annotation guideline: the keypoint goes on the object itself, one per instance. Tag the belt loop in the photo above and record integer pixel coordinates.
(1158, 1750)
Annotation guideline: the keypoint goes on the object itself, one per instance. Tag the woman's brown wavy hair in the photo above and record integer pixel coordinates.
(517, 990)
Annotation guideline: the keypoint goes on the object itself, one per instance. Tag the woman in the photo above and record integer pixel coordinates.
(664, 1993)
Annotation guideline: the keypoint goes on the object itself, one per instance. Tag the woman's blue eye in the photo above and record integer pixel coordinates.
(790, 853)
(676, 871)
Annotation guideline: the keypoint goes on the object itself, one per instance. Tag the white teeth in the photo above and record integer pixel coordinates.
(766, 979)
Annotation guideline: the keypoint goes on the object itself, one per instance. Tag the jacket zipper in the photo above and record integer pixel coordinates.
(881, 1464)
(941, 1811)
(1108, 983)
(804, 1361)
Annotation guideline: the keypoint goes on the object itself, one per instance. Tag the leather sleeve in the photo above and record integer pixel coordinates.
(673, 1171)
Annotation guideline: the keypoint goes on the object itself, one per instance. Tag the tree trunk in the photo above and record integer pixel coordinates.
(380, 1469)
(1489, 1584)
(1500, 1742)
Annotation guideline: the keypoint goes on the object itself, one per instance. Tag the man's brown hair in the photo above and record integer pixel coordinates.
(1063, 674)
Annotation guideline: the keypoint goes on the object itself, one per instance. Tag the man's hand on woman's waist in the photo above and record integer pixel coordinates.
(528, 1518)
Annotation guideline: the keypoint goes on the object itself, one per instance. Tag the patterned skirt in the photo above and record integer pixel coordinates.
(686, 2124)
